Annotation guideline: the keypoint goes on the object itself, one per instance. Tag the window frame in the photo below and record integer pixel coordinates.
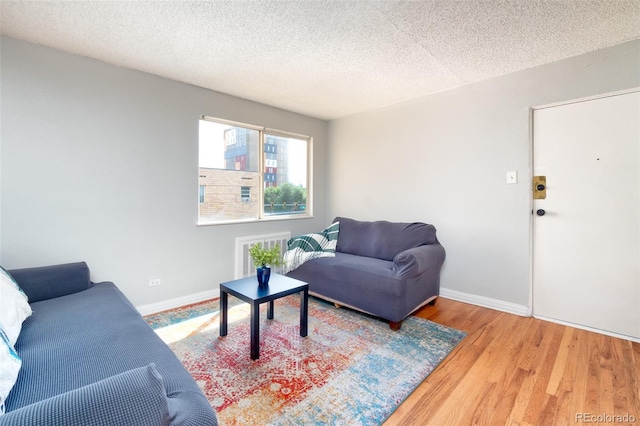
(262, 132)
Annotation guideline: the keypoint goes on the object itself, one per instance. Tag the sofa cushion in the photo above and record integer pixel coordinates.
(382, 239)
(14, 306)
(9, 367)
(134, 397)
(367, 276)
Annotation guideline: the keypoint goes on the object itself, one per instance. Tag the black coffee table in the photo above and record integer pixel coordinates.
(247, 289)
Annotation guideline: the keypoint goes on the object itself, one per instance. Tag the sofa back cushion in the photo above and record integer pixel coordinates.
(47, 282)
(382, 239)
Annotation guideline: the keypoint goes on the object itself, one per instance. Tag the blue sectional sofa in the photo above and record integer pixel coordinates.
(89, 358)
(387, 269)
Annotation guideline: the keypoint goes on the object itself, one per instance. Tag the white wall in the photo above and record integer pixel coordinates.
(443, 159)
(99, 163)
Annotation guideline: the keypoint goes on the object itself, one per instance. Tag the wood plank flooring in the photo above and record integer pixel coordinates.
(513, 370)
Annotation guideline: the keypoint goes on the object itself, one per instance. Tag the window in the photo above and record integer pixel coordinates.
(245, 194)
(269, 169)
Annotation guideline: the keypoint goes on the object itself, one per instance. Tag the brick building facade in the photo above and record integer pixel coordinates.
(228, 194)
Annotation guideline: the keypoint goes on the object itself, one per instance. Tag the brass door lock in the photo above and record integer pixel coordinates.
(539, 187)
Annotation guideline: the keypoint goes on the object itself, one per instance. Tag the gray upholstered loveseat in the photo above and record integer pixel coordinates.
(89, 358)
(382, 268)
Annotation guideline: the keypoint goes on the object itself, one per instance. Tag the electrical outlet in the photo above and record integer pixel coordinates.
(154, 282)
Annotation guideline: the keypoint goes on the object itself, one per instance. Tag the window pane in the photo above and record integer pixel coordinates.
(285, 175)
(228, 164)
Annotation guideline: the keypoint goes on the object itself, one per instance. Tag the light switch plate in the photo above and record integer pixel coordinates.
(512, 177)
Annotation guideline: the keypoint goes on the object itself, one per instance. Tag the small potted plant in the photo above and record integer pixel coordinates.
(263, 259)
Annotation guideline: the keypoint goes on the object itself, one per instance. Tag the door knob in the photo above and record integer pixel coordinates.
(540, 212)
(540, 187)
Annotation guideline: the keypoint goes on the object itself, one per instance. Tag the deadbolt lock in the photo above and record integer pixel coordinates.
(539, 187)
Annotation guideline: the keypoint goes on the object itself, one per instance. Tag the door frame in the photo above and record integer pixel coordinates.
(531, 203)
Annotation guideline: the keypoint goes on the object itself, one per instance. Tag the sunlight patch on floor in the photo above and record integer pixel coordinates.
(204, 323)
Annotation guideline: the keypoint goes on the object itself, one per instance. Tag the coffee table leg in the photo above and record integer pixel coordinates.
(223, 313)
(255, 330)
(304, 312)
(270, 310)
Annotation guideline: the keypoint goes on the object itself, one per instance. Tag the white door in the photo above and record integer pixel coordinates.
(586, 246)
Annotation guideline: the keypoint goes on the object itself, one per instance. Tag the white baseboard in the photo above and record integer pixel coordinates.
(587, 328)
(486, 302)
(165, 305)
(473, 299)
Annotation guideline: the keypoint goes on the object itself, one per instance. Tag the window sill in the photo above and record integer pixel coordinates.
(265, 219)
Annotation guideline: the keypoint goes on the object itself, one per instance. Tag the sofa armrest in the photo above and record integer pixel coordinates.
(418, 260)
(135, 397)
(47, 282)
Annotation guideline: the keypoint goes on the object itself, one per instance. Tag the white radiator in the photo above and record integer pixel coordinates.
(244, 265)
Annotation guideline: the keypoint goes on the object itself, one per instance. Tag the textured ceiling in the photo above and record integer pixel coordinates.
(326, 59)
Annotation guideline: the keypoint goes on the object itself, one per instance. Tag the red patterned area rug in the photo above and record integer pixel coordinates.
(351, 369)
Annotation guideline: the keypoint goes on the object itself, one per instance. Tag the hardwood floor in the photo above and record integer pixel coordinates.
(513, 370)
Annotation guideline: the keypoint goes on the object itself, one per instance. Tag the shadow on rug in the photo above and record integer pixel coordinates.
(350, 370)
